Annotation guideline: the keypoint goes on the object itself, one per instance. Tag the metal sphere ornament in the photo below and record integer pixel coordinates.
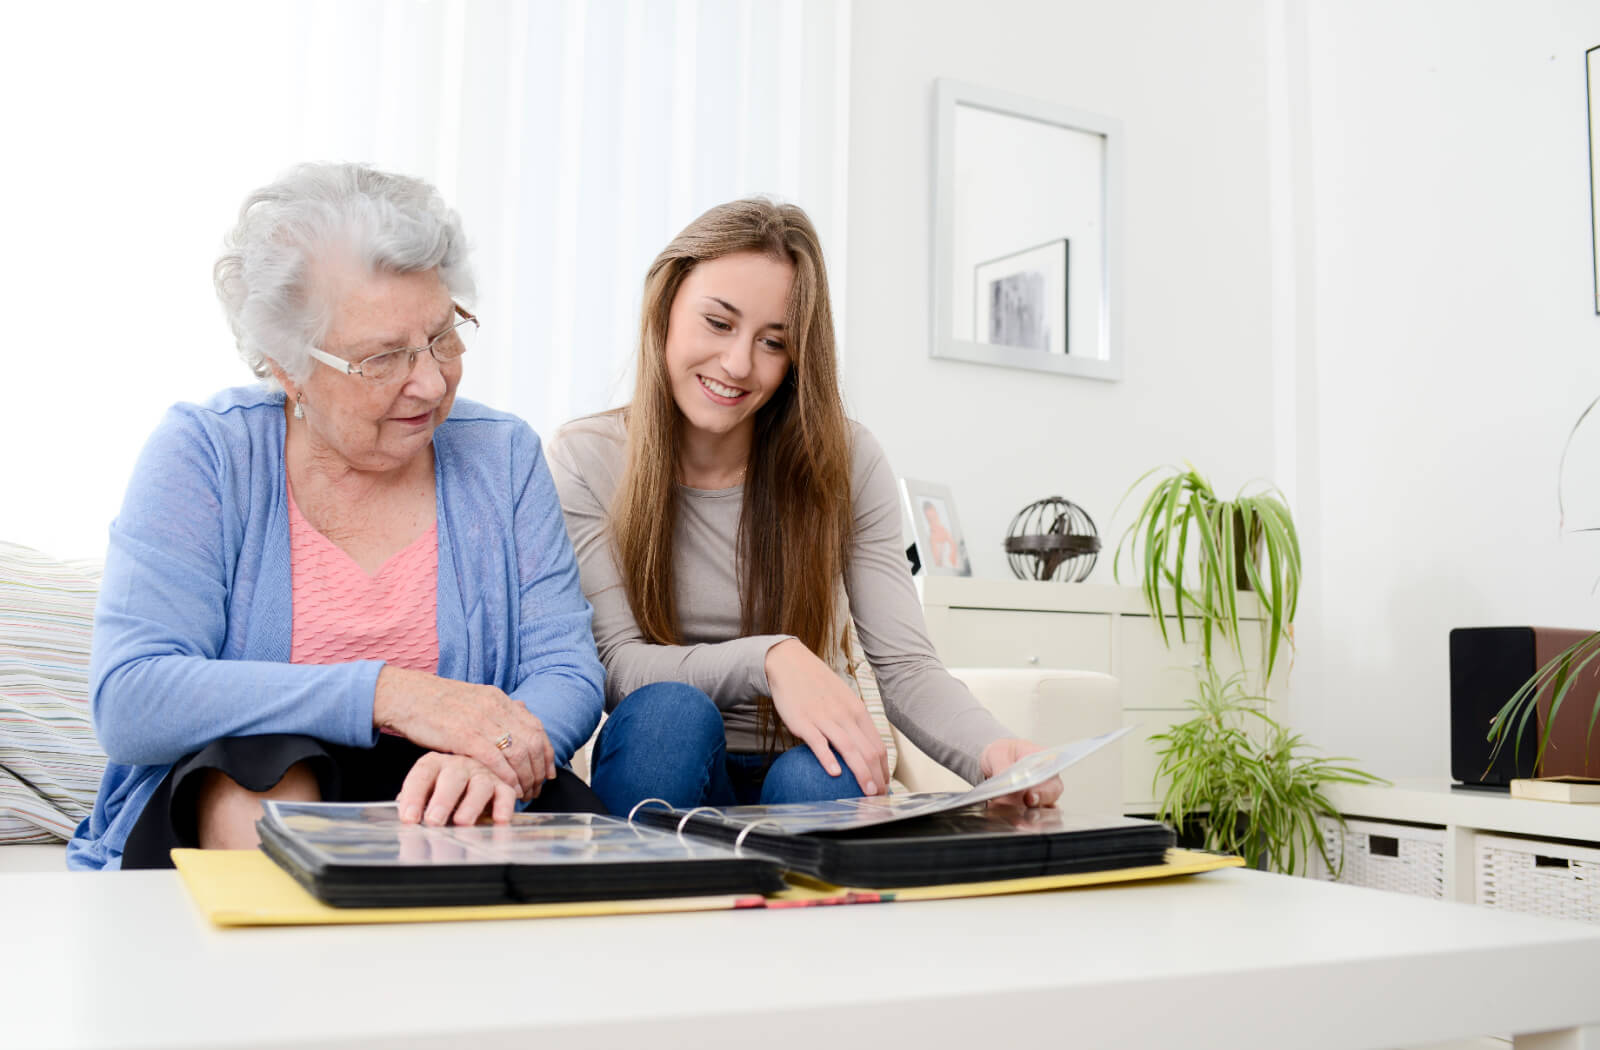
(1052, 539)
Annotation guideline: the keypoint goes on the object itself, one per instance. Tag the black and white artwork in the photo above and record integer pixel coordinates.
(1021, 299)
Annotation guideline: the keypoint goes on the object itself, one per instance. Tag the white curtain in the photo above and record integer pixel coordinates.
(574, 136)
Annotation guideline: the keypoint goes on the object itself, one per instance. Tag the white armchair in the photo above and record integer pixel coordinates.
(1048, 707)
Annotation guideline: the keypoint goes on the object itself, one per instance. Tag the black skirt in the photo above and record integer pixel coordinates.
(344, 774)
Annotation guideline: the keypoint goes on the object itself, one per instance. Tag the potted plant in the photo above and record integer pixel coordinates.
(1235, 777)
(1256, 794)
(1248, 542)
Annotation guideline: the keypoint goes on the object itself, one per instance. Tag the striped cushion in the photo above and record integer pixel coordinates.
(50, 762)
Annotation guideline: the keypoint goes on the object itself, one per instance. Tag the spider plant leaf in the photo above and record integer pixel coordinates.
(1561, 465)
(1130, 535)
(1140, 480)
(1283, 561)
(1209, 567)
(1561, 686)
(1566, 678)
(1179, 560)
(1520, 702)
(1158, 509)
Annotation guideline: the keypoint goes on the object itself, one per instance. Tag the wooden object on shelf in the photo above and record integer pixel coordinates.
(1090, 627)
(1557, 789)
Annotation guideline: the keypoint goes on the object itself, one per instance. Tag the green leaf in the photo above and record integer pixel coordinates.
(1259, 800)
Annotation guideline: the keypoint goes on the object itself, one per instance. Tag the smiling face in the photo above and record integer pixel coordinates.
(726, 348)
(372, 426)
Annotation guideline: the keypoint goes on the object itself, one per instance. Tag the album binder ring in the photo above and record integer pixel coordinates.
(738, 843)
(645, 802)
(685, 819)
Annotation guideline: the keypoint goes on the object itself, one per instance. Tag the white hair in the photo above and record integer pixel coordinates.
(393, 223)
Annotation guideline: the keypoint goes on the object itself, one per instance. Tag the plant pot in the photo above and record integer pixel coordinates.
(1192, 835)
(1246, 549)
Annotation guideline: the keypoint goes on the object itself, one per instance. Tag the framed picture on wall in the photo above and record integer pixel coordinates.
(1021, 299)
(932, 511)
(1592, 61)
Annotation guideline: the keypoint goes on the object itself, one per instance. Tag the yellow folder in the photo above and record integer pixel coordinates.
(245, 888)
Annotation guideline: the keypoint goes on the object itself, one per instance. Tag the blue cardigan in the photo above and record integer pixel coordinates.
(193, 625)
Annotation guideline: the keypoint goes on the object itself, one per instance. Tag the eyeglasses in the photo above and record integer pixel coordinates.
(393, 364)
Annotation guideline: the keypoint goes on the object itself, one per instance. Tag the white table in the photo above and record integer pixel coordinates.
(1225, 959)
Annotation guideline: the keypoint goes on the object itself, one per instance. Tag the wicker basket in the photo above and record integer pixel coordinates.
(1398, 857)
(1541, 877)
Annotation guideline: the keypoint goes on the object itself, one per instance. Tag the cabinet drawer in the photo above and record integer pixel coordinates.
(1154, 675)
(1016, 638)
(1402, 858)
(1561, 879)
(1139, 758)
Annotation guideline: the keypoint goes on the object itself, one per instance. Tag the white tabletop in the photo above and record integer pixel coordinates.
(1225, 959)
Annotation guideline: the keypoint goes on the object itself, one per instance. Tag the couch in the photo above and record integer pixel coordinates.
(50, 762)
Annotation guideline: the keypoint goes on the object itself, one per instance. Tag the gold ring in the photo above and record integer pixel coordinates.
(504, 741)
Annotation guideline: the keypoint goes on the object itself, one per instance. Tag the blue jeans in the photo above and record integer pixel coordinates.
(666, 741)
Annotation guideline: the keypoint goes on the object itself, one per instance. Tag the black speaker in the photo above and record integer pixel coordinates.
(1487, 666)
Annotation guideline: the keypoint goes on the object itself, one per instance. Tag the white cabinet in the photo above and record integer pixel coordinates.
(1090, 627)
(1555, 839)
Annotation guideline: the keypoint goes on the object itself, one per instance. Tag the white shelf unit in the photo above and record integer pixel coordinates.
(1089, 627)
(1464, 815)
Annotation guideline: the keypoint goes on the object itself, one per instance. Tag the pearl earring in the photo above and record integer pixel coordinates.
(299, 410)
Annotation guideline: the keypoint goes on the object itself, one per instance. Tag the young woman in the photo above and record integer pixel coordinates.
(730, 523)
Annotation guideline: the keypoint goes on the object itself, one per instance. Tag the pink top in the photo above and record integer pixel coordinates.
(342, 614)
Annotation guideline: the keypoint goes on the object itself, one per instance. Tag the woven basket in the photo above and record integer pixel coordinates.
(1397, 857)
(1540, 877)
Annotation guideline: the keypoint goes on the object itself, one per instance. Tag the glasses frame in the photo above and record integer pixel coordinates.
(339, 364)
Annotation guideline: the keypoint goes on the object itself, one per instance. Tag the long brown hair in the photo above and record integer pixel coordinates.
(795, 524)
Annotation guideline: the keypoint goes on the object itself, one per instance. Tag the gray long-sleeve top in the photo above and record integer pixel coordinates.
(935, 710)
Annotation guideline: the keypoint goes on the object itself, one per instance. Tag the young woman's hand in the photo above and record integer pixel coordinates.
(442, 714)
(821, 711)
(442, 788)
(1003, 753)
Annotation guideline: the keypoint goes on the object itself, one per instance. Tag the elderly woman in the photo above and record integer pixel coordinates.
(341, 584)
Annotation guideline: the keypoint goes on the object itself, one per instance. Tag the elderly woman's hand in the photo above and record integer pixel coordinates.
(441, 788)
(463, 719)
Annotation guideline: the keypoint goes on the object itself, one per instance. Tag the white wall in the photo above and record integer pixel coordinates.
(1358, 261)
(1454, 342)
(1188, 83)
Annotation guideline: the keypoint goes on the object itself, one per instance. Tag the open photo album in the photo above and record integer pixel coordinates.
(362, 855)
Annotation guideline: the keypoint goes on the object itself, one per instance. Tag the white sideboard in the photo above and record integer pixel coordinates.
(1090, 627)
(1464, 815)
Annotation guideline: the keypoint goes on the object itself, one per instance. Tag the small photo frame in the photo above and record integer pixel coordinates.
(940, 545)
(1021, 299)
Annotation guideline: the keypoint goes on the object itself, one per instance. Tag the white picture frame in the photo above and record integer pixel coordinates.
(1592, 82)
(941, 545)
(1010, 171)
(1020, 299)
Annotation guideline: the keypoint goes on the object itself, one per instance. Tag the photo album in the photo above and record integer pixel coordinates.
(362, 855)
